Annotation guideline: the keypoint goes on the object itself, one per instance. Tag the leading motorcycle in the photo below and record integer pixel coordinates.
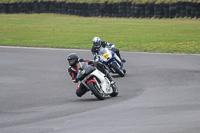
(95, 81)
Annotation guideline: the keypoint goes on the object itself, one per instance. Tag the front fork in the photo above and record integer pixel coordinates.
(120, 62)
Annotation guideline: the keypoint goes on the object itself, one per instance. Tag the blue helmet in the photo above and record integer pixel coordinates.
(96, 42)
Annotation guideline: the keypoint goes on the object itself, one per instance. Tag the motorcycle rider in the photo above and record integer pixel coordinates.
(97, 44)
(73, 61)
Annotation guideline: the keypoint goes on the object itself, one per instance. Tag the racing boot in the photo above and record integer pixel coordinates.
(118, 54)
(123, 60)
(110, 78)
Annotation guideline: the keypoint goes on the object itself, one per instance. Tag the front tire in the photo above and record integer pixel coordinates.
(117, 69)
(98, 92)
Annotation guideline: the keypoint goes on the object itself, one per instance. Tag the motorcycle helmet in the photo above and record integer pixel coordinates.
(72, 59)
(96, 42)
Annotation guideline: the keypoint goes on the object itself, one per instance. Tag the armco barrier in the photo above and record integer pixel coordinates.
(120, 9)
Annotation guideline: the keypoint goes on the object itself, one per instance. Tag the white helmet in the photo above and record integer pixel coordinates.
(96, 42)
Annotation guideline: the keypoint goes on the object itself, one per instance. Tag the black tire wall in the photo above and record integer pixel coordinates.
(120, 9)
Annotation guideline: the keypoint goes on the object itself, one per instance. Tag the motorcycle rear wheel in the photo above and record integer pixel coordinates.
(98, 92)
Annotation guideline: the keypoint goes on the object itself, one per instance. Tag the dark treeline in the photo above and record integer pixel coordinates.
(120, 9)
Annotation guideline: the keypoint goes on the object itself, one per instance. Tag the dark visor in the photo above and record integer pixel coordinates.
(96, 44)
(71, 62)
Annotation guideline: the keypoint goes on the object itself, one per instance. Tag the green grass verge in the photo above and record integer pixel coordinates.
(128, 34)
(100, 1)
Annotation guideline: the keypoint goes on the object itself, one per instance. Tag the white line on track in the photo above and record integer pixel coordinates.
(13, 47)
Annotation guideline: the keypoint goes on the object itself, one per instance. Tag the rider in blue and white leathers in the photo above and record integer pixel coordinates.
(97, 44)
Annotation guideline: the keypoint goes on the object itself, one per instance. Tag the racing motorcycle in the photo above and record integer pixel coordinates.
(95, 81)
(111, 61)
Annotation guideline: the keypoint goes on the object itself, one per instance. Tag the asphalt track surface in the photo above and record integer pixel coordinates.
(159, 94)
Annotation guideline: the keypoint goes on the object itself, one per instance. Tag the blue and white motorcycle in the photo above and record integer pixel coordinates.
(111, 61)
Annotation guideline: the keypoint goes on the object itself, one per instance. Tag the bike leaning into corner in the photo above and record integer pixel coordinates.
(111, 60)
(95, 81)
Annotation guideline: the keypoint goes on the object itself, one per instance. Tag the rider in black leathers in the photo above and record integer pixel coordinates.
(73, 62)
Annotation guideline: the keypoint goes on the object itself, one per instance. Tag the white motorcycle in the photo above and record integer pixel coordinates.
(95, 81)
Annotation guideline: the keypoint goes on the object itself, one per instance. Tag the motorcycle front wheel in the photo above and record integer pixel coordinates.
(98, 92)
(117, 69)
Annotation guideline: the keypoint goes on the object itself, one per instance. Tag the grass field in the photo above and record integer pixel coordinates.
(100, 1)
(128, 34)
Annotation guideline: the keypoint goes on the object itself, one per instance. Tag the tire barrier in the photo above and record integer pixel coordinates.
(119, 9)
